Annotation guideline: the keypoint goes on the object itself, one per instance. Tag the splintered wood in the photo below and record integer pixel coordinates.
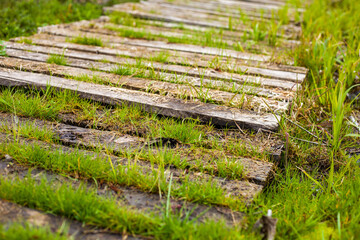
(222, 62)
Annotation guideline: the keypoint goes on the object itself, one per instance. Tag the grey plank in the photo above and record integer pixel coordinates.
(173, 13)
(218, 115)
(238, 189)
(232, 35)
(252, 60)
(259, 48)
(282, 78)
(178, 74)
(58, 30)
(248, 5)
(274, 102)
(216, 8)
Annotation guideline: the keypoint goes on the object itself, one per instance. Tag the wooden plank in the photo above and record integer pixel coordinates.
(14, 213)
(190, 88)
(82, 26)
(278, 71)
(58, 30)
(127, 196)
(261, 47)
(167, 13)
(168, 18)
(223, 10)
(217, 115)
(247, 5)
(226, 34)
(240, 189)
(283, 79)
(255, 171)
(195, 77)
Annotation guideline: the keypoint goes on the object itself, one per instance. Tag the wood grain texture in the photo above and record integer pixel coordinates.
(217, 115)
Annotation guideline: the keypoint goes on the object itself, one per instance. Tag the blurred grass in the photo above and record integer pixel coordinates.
(23, 17)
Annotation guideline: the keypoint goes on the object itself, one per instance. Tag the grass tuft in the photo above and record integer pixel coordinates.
(16, 231)
(87, 41)
(57, 59)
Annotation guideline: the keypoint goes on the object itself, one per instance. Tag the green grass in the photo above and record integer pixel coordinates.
(26, 41)
(99, 168)
(122, 116)
(2, 49)
(57, 59)
(50, 105)
(37, 106)
(210, 38)
(87, 41)
(28, 130)
(16, 231)
(86, 206)
(23, 17)
(315, 195)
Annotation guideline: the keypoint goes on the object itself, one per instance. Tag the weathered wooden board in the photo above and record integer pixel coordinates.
(240, 189)
(167, 13)
(218, 115)
(13, 213)
(259, 8)
(255, 171)
(127, 196)
(216, 8)
(248, 5)
(199, 63)
(261, 47)
(58, 30)
(190, 87)
(185, 28)
(278, 89)
(249, 59)
(256, 86)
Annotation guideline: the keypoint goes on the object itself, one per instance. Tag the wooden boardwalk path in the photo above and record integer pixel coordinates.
(179, 59)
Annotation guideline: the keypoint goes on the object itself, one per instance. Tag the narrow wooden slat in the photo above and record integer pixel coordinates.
(168, 13)
(255, 170)
(170, 26)
(56, 30)
(187, 75)
(214, 8)
(259, 48)
(127, 196)
(280, 72)
(240, 189)
(247, 5)
(190, 88)
(218, 115)
(283, 79)
(13, 213)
